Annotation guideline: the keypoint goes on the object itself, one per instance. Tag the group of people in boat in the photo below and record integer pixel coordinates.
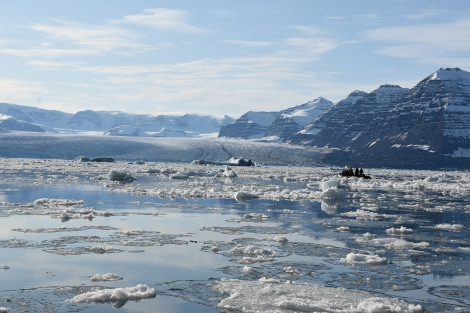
(357, 173)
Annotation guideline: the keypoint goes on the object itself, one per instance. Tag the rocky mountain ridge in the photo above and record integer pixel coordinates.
(275, 126)
(427, 126)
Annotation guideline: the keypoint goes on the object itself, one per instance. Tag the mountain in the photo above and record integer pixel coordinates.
(427, 126)
(350, 119)
(23, 118)
(275, 126)
(251, 125)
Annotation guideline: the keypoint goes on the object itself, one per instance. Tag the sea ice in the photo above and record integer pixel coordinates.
(359, 258)
(251, 254)
(452, 227)
(401, 230)
(269, 295)
(242, 195)
(105, 277)
(333, 190)
(46, 202)
(120, 176)
(116, 296)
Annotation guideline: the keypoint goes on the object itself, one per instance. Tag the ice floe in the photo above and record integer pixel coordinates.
(117, 297)
(269, 295)
(251, 254)
(105, 277)
(452, 227)
(359, 258)
(402, 230)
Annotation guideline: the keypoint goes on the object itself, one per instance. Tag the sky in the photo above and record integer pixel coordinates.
(220, 57)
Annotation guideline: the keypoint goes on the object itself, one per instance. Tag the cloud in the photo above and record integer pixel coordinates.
(68, 38)
(52, 66)
(371, 18)
(163, 18)
(249, 43)
(100, 39)
(307, 29)
(19, 90)
(271, 81)
(314, 46)
(46, 52)
(425, 13)
(424, 42)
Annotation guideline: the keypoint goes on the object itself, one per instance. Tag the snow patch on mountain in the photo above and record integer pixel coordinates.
(307, 112)
(261, 118)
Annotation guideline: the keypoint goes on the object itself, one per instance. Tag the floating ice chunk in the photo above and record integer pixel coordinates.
(247, 269)
(268, 295)
(454, 227)
(179, 175)
(256, 216)
(378, 305)
(117, 296)
(47, 202)
(401, 230)
(325, 185)
(251, 254)
(3, 309)
(228, 172)
(120, 176)
(100, 249)
(333, 193)
(168, 171)
(358, 258)
(343, 228)
(105, 277)
(400, 244)
(89, 214)
(242, 195)
(333, 190)
(291, 270)
(367, 215)
(281, 239)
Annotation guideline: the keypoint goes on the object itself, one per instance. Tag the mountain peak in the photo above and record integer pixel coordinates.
(450, 74)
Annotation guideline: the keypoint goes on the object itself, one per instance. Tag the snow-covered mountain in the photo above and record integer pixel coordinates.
(23, 118)
(427, 126)
(423, 127)
(275, 126)
(349, 119)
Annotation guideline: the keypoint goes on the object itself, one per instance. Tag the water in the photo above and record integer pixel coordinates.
(412, 227)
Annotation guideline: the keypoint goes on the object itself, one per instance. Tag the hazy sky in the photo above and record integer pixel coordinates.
(220, 57)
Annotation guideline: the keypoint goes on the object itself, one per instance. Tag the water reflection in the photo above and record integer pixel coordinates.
(164, 241)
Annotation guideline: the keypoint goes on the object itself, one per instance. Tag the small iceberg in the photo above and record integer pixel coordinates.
(333, 190)
(117, 297)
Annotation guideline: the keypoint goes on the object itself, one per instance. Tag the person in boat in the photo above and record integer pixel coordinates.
(356, 172)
